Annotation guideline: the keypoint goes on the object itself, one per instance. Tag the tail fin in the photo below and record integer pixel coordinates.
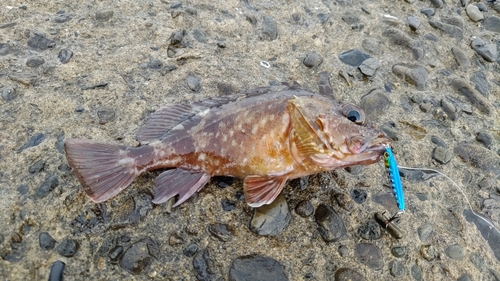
(103, 169)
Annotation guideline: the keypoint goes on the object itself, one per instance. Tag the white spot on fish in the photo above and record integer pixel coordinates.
(233, 142)
(127, 161)
(255, 127)
(201, 157)
(178, 127)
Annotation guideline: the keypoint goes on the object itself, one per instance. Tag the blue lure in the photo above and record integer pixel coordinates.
(395, 180)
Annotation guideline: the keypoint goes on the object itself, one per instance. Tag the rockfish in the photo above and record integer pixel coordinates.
(265, 136)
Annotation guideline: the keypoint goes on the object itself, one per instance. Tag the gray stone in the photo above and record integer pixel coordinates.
(34, 62)
(369, 255)
(479, 158)
(104, 15)
(474, 13)
(221, 231)
(429, 12)
(428, 252)
(194, 83)
(347, 274)
(416, 273)
(200, 36)
(449, 29)
(424, 232)
(105, 115)
(399, 251)
(304, 209)
(369, 230)
(479, 79)
(413, 22)
(416, 75)
(481, 6)
(476, 99)
(40, 42)
(46, 186)
(396, 268)
(330, 225)
(269, 29)
(353, 57)
(272, 219)
(4, 49)
(312, 60)
(441, 155)
(369, 66)
(256, 267)
(9, 93)
(65, 55)
(455, 252)
(67, 247)
(461, 58)
(398, 37)
(492, 23)
(478, 261)
(485, 139)
(449, 108)
(487, 51)
(464, 277)
(437, 3)
(139, 256)
(375, 103)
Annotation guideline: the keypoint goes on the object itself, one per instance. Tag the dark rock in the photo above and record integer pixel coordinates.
(204, 267)
(464, 277)
(479, 79)
(40, 42)
(269, 29)
(424, 232)
(4, 49)
(34, 62)
(428, 252)
(344, 201)
(455, 252)
(9, 93)
(413, 22)
(304, 209)
(272, 219)
(416, 75)
(350, 18)
(46, 186)
(312, 60)
(399, 251)
(478, 261)
(95, 86)
(438, 141)
(226, 89)
(370, 231)
(465, 107)
(442, 155)
(194, 83)
(431, 37)
(475, 98)
(56, 271)
(79, 109)
(176, 5)
(429, 12)
(343, 251)
(22, 189)
(489, 233)
(416, 273)
(32, 142)
(251, 19)
(36, 167)
(487, 51)
(104, 15)
(369, 255)
(200, 36)
(46, 241)
(485, 139)
(396, 268)
(353, 57)
(167, 69)
(154, 64)
(221, 231)
(437, 3)
(323, 18)
(481, 6)
(387, 200)
(190, 250)
(191, 11)
(65, 55)
(479, 157)
(139, 256)
(256, 267)
(105, 115)
(492, 23)
(62, 18)
(67, 248)
(375, 103)
(359, 195)
(449, 29)
(369, 66)
(474, 13)
(228, 205)
(330, 225)
(461, 58)
(177, 37)
(115, 254)
(355, 170)
(347, 274)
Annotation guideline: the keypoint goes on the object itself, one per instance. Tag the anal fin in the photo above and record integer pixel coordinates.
(178, 182)
(262, 190)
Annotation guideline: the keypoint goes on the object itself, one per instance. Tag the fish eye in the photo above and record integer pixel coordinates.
(354, 113)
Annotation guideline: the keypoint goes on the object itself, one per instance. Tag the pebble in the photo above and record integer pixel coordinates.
(65, 55)
(204, 267)
(330, 225)
(175, 239)
(304, 209)
(312, 60)
(461, 58)
(323, 18)
(344, 201)
(9, 93)
(373, 46)
(370, 230)
(347, 274)
(34, 62)
(22, 189)
(228, 205)
(256, 267)
(221, 231)
(465, 107)
(429, 12)
(359, 195)
(478, 261)
(46, 186)
(455, 252)
(115, 254)
(492, 23)
(485, 139)
(479, 79)
(46, 241)
(416, 273)
(424, 232)
(396, 268)
(194, 83)
(464, 277)
(57, 271)
(416, 75)
(353, 57)
(442, 155)
(32, 142)
(190, 250)
(476, 99)
(450, 109)
(200, 36)
(62, 18)
(4, 49)
(40, 42)
(474, 13)
(269, 29)
(413, 22)
(272, 219)
(375, 104)
(67, 248)
(369, 66)
(104, 15)
(487, 51)
(449, 29)
(343, 251)
(399, 251)
(428, 252)
(479, 157)
(140, 256)
(438, 141)
(105, 115)
(369, 255)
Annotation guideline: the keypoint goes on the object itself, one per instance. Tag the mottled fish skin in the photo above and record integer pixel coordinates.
(266, 136)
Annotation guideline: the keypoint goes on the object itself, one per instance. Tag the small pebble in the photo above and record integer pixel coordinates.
(475, 98)
(474, 13)
(139, 256)
(413, 22)
(330, 225)
(4, 49)
(344, 201)
(464, 277)
(428, 252)
(46, 187)
(399, 251)
(67, 248)
(65, 55)
(343, 251)
(478, 261)
(272, 219)
(369, 230)
(375, 104)
(46, 241)
(194, 83)
(40, 42)
(190, 250)
(34, 62)
(304, 209)
(269, 29)
(353, 57)
(115, 254)
(437, 3)
(369, 255)
(492, 23)
(369, 66)
(32, 142)
(487, 51)
(461, 58)
(9, 93)
(204, 267)
(104, 15)
(396, 268)
(347, 274)
(438, 141)
(312, 60)
(416, 273)
(56, 271)
(424, 232)
(200, 36)
(22, 189)
(449, 29)
(429, 12)
(79, 109)
(416, 75)
(359, 195)
(228, 205)
(221, 231)
(455, 252)
(256, 267)
(442, 155)
(62, 18)
(479, 79)
(175, 239)
(36, 167)
(479, 158)
(105, 115)
(485, 139)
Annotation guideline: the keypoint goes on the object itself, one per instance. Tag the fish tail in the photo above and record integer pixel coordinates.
(103, 169)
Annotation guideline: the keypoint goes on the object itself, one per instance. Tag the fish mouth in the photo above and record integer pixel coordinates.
(361, 145)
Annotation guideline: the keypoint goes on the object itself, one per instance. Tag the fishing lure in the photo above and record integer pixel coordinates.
(395, 180)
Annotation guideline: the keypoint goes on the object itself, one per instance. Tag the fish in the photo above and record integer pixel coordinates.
(265, 136)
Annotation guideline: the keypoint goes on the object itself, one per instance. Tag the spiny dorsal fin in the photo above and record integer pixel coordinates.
(305, 137)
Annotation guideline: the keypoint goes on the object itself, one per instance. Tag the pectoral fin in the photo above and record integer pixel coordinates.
(262, 190)
(178, 182)
(305, 138)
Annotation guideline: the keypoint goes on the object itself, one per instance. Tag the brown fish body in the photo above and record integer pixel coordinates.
(265, 136)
